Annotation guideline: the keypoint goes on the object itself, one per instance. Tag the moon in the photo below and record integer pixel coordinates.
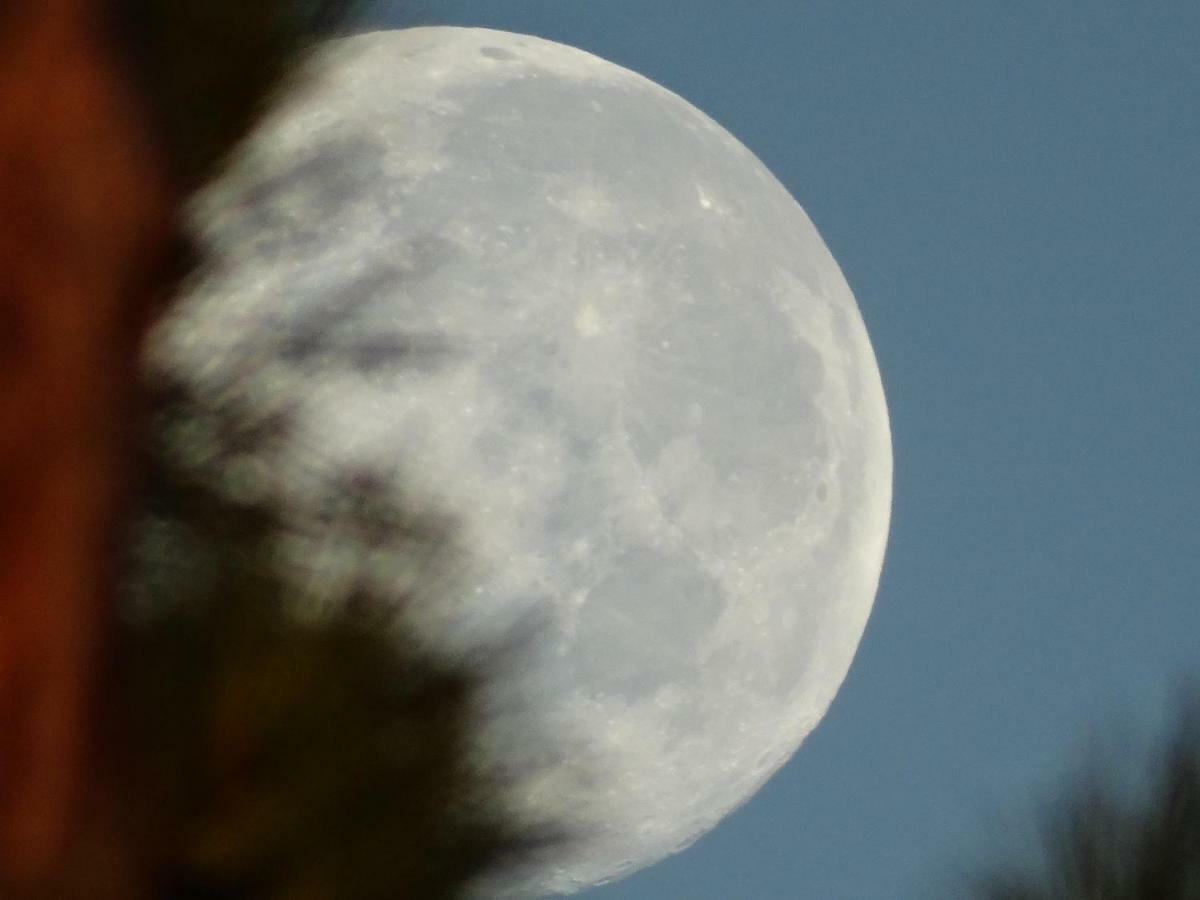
(658, 416)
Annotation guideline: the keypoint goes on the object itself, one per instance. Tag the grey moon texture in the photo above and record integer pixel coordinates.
(658, 418)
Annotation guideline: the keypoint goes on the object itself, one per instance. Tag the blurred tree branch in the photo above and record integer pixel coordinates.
(1100, 843)
(209, 69)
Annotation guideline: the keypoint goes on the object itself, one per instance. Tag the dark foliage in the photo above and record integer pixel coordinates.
(210, 68)
(263, 738)
(1102, 843)
(269, 748)
(281, 733)
(271, 729)
(300, 758)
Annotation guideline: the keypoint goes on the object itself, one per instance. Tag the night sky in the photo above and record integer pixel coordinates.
(1013, 193)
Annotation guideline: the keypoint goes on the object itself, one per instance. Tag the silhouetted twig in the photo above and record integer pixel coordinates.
(1101, 843)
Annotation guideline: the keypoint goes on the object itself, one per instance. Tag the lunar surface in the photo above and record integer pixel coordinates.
(639, 381)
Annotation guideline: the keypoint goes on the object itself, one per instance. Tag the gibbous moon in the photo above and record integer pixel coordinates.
(657, 417)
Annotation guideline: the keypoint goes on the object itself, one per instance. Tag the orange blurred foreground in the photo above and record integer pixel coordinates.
(85, 209)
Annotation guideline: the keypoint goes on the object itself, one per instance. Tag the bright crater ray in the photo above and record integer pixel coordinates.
(659, 418)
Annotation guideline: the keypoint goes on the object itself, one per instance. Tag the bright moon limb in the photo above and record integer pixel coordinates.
(659, 420)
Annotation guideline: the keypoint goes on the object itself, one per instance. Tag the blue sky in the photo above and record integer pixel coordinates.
(1013, 192)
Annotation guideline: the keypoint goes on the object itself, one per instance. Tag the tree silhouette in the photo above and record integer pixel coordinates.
(284, 751)
(273, 731)
(268, 727)
(283, 735)
(209, 69)
(1099, 842)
